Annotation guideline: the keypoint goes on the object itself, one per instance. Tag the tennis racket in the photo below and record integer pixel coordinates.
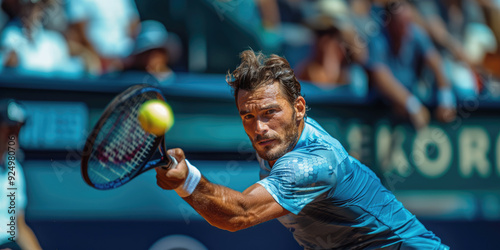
(118, 149)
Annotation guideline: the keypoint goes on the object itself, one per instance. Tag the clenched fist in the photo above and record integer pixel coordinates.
(174, 177)
(444, 114)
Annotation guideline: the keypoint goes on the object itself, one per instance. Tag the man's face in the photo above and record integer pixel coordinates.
(155, 60)
(401, 20)
(270, 121)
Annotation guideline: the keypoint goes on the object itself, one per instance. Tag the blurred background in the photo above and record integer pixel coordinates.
(410, 88)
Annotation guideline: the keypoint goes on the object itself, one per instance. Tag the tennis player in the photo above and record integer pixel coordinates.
(325, 197)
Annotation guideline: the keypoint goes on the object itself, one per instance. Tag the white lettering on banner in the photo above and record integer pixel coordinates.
(382, 144)
(355, 139)
(477, 151)
(432, 136)
(390, 151)
(474, 146)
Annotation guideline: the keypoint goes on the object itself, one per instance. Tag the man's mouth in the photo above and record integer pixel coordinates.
(266, 142)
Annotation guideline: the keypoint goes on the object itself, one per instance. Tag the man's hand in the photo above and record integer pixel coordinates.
(445, 114)
(174, 177)
(421, 119)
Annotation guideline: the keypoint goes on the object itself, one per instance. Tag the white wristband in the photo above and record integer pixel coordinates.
(192, 180)
(413, 105)
(446, 98)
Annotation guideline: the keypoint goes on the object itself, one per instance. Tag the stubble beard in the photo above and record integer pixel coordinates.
(291, 137)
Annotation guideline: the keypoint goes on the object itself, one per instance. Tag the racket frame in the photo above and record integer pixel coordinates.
(159, 142)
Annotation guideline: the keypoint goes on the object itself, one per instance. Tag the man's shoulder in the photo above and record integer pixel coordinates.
(303, 169)
(319, 141)
(315, 148)
(312, 155)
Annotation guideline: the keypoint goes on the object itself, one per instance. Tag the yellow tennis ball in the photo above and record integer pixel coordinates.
(156, 117)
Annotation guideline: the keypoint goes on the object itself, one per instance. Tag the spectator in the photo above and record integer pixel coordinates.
(458, 29)
(396, 56)
(154, 49)
(29, 48)
(491, 10)
(102, 29)
(330, 64)
(12, 118)
(346, 21)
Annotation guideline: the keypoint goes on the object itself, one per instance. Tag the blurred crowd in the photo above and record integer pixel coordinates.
(84, 38)
(413, 54)
(410, 53)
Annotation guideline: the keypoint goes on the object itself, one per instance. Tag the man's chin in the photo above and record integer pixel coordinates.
(270, 156)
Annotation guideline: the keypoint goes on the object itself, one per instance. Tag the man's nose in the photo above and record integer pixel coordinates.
(261, 127)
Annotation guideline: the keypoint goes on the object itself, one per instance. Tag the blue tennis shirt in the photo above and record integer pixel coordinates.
(337, 202)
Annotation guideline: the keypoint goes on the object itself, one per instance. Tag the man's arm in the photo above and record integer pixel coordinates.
(392, 89)
(433, 59)
(446, 110)
(26, 238)
(222, 207)
(231, 210)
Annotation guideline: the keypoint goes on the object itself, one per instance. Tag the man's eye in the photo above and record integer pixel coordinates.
(246, 117)
(271, 111)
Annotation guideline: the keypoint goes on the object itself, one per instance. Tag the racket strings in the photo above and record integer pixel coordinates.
(122, 145)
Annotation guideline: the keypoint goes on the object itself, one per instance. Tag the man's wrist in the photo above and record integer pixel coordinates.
(413, 105)
(446, 98)
(192, 180)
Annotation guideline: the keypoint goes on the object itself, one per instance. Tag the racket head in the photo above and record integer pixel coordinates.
(118, 149)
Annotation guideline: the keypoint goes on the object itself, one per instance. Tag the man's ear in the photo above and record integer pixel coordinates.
(300, 107)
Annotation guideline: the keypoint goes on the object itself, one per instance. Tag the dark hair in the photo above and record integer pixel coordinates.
(257, 70)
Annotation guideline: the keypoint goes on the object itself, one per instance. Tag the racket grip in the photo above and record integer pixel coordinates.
(173, 163)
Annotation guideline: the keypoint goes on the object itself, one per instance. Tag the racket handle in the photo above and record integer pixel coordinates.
(173, 163)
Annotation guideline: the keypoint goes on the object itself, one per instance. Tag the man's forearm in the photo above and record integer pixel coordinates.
(390, 87)
(220, 206)
(435, 63)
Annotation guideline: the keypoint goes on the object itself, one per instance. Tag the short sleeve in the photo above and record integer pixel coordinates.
(377, 52)
(298, 179)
